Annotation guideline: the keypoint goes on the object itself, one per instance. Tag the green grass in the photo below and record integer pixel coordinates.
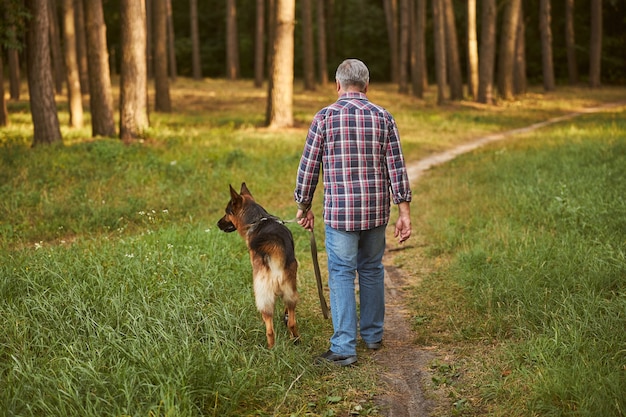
(119, 296)
(535, 233)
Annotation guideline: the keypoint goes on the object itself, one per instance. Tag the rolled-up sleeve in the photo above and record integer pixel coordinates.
(398, 177)
(310, 162)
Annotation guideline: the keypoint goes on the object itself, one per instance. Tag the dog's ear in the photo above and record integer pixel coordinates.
(233, 194)
(244, 190)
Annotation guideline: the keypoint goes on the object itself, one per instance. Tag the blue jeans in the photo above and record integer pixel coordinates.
(349, 253)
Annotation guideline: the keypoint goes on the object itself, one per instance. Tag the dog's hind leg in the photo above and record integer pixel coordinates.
(290, 315)
(269, 329)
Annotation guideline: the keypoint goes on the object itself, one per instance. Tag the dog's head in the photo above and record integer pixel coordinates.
(233, 218)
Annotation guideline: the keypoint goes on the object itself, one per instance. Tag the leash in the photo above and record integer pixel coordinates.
(316, 268)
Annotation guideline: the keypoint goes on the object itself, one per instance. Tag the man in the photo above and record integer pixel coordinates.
(356, 144)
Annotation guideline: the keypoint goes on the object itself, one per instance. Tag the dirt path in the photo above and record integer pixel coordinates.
(404, 366)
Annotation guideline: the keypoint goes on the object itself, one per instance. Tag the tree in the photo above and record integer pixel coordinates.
(161, 80)
(419, 69)
(4, 115)
(570, 43)
(472, 50)
(100, 97)
(507, 48)
(519, 79)
(74, 95)
(440, 49)
(307, 46)
(453, 62)
(280, 95)
(391, 16)
(259, 44)
(195, 40)
(134, 71)
(403, 49)
(487, 52)
(40, 81)
(322, 54)
(232, 41)
(545, 17)
(171, 49)
(81, 46)
(55, 47)
(595, 47)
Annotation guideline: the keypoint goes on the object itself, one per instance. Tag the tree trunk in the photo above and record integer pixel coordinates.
(391, 16)
(259, 44)
(55, 48)
(14, 65)
(570, 43)
(308, 49)
(472, 50)
(4, 114)
(195, 40)
(150, 32)
(545, 17)
(281, 86)
(595, 47)
(81, 46)
(519, 83)
(420, 77)
(134, 71)
(440, 49)
(322, 55)
(74, 96)
(171, 44)
(40, 81)
(232, 41)
(403, 49)
(487, 52)
(100, 97)
(453, 63)
(162, 100)
(506, 57)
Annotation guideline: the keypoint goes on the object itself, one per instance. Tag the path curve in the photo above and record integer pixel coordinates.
(404, 367)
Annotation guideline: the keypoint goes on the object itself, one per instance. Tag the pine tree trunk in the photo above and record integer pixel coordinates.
(487, 52)
(100, 97)
(4, 114)
(472, 50)
(40, 80)
(440, 49)
(570, 43)
(232, 41)
(171, 43)
(403, 51)
(322, 54)
(74, 95)
(281, 85)
(195, 40)
(259, 44)
(519, 79)
(391, 16)
(162, 100)
(134, 71)
(545, 18)
(14, 67)
(55, 48)
(81, 46)
(308, 50)
(595, 47)
(506, 57)
(453, 62)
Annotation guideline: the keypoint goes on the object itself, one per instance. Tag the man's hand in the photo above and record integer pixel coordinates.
(403, 225)
(305, 220)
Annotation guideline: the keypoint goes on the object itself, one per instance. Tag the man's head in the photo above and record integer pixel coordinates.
(352, 75)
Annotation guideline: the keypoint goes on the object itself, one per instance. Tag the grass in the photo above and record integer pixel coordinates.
(120, 296)
(532, 237)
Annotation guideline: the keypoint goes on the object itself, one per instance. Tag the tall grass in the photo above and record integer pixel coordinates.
(536, 229)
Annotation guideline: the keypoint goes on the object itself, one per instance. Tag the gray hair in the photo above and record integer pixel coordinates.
(353, 72)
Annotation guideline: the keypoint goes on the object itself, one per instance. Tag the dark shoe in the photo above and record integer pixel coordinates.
(375, 345)
(334, 359)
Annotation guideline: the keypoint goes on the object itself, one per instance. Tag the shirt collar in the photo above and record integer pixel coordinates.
(356, 95)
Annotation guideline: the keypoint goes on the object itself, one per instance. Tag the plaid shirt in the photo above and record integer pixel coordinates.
(357, 145)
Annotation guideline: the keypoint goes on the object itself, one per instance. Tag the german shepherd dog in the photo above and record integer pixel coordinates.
(272, 254)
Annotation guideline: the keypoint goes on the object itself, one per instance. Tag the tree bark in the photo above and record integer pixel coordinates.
(487, 52)
(322, 54)
(403, 48)
(440, 49)
(453, 62)
(81, 46)
(507, 48)
(162, 100)
(545, 18)
(171, 43)
(281, 86)
(420, 76)
(472, 50)
(519, 80)
(4, 114)
(55, 48)
(195, 40)
(595, 47)
(308, 50)
(570, 43)
(259, 44)
(40, 80)
(232, 41)
(391, 16)
(14, 66)
(74, 95)
(134, 71)
(100, 96)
